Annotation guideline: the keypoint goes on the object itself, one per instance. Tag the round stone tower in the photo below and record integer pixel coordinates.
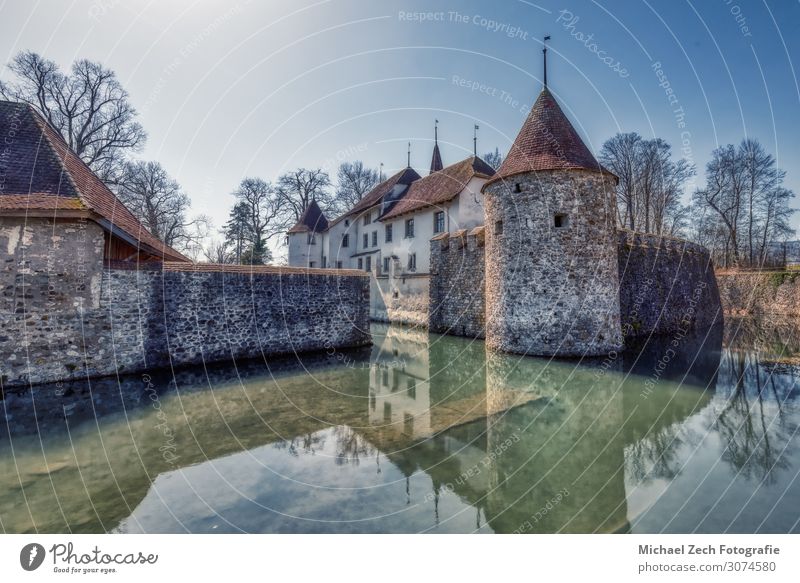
(552, 281)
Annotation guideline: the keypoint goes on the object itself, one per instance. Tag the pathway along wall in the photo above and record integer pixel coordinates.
(63, 316)
(667, 285)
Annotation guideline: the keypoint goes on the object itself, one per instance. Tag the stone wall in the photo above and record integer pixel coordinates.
(64, 316)
(457, 299)
(764, 293)
(402, 299)
(666, 285)
(552, 283)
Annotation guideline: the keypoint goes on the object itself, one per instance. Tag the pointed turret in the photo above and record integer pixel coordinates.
(547, 141)
(312, 219)
(436, 159)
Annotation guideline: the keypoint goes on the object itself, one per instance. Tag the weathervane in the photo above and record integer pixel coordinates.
(544, 52)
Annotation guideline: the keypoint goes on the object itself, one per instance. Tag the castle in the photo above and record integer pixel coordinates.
(528, 257)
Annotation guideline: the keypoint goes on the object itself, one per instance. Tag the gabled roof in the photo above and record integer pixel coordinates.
(312, 220)
(547, 141)
(41, 173)
(375, 196)
(440, 187)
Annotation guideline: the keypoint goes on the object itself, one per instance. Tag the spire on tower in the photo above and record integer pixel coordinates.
(544, 53)
(436, 159)
(408, 165)
(475, 140)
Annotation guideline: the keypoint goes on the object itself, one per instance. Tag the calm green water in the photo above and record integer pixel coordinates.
(422, 433)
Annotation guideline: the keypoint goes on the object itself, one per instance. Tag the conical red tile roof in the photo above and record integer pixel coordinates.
(547, 141)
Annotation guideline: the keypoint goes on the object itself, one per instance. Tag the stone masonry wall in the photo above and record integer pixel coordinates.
(457, 298)
(666, 285)
(552, 285)
(64, 316)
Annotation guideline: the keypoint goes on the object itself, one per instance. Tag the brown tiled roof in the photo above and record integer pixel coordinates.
(547, 141)
(440, 187)
(41, 173)
(375, 196)
(312, 219)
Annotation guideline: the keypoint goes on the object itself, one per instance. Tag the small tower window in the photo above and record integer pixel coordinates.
(560, 221)
(517, 187)
(498, 227)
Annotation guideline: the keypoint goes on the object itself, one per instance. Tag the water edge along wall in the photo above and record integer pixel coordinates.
(667, 285)
(65, 315)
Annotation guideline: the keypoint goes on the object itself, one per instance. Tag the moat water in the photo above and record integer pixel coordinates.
(422, 433)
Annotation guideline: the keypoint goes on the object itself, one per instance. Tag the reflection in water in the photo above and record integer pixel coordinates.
(422, 433)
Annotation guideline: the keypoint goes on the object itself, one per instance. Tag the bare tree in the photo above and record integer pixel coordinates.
(296, 190)
(744, 207)
(88, 107)
(218, 251)
(262, 206)
(353, 181)
(493, 159)
(160, 204)
(650, 184)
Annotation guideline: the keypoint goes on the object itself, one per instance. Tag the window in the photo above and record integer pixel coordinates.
(368, 265)
(498, 227)
(560, 221)
(360, 263)
(411, 387)
(438, 222)
(346, 240)
(517, 187)
(388, 233)
(409, 228)
(347, 222)
(366, 240)
(386, 261)
(311, 240)
(324, 262)
(412, 261)
(374, 238)
(367, 218)
(311, 264)
(338, 265)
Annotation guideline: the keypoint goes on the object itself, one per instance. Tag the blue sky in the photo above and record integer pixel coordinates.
(243, 88)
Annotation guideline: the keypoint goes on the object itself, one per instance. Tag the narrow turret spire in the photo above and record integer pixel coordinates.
(436, 159)
(408, 165)
(544, 53)
(475, 140)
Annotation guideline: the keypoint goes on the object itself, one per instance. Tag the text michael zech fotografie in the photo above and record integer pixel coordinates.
(723, 549)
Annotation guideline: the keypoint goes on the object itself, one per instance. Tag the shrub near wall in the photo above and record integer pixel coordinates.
(757, 293)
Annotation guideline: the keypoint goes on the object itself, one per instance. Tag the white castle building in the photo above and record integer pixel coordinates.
(388, 232)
